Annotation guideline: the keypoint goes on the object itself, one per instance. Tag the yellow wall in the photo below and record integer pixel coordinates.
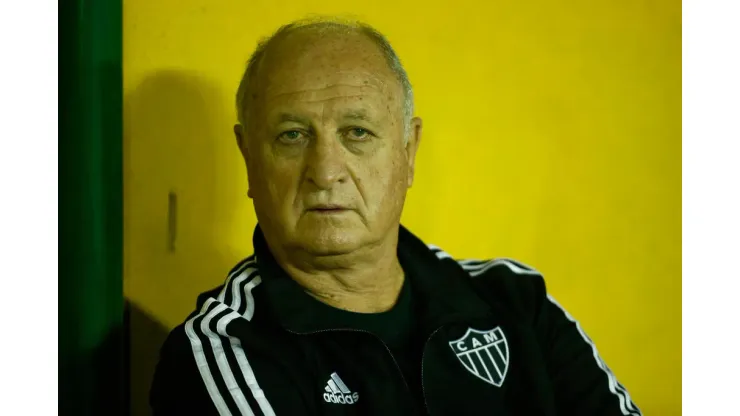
(552, 135)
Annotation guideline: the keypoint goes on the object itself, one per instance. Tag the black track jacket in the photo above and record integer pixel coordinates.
(495, 344)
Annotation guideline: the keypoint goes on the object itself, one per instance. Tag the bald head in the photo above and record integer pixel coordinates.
(323, 45)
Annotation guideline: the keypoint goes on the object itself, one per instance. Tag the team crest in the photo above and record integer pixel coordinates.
(484, 353)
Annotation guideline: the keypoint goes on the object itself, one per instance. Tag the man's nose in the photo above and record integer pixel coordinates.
(326, 162)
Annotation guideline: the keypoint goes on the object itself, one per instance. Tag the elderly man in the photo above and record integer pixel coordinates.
(342, 310)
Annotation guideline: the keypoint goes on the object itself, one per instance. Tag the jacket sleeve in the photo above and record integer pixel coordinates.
(582, 382)
(177, 387)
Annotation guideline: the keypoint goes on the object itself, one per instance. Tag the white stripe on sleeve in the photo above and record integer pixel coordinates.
(244, 366)
(203, 368)
(249, 262)
(477, 267)
(208, 312)
(626, 405)
(221, 360)
(479, 270)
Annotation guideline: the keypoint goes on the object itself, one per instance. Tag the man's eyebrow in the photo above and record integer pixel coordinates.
(351, 115)
(290, 117)
(361, 115)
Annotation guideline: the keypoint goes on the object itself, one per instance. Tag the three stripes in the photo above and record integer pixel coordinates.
(336, 385)
(216, 352)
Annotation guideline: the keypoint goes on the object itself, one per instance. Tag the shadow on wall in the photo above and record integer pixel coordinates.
(177, 141)
(146, 337)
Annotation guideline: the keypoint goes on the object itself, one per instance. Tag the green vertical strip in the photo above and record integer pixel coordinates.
(91, 348)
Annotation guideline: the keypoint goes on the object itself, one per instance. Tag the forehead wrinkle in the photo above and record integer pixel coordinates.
(369, 89)
(370, 73)
(328, 112)
(316, 99)
(294, 101)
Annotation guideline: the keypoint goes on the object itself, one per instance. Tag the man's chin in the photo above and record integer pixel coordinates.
(335, 242)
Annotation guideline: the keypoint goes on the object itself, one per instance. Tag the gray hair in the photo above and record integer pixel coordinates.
(324, 25)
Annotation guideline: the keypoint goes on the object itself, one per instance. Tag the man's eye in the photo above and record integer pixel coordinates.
(358, 133)
(290, 136)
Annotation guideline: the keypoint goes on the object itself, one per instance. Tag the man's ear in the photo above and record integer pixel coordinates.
(241, 140)
(412, 145)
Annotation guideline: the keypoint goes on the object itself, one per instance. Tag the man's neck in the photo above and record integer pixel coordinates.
(367, 280)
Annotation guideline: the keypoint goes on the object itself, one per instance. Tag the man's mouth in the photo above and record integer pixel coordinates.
(327, 209)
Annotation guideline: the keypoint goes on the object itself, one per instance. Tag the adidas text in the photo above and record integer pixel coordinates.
(341, 398)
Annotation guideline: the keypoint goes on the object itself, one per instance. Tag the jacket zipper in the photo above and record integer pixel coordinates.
(398, 368)
(423, 353)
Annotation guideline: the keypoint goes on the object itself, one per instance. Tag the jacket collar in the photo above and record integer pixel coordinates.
(442, 289)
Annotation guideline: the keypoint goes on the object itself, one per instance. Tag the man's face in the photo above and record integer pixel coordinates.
(327, 163)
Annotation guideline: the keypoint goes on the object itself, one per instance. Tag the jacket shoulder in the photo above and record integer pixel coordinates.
(502, 281)
(177, 386)
(216, 291)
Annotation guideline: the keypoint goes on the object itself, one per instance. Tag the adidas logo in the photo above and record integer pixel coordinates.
(337, 391)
